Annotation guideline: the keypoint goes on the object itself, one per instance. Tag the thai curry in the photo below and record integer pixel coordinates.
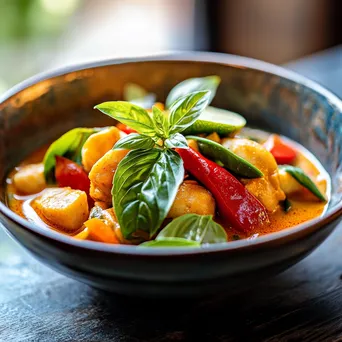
(179, 174)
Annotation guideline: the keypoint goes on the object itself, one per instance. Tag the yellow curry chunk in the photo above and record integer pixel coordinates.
(266, 189)
(63, 208)
(193, 144)
(101, 175)
(214, 137)
(97, 145)
(30, 179)
(192, 198)
(288, 184)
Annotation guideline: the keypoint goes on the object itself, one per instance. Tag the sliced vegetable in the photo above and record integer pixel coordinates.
(235, 203)
(193, 227)
(125, 128)
(82, 235)
(282, 153)
(299, 175)
(68, 173)
(185, 111)
(69, 145)
(193, 84)
(144, 187)
(227, 158)
(170, 242)
(134, 141)
(98, 230)
(221, 121)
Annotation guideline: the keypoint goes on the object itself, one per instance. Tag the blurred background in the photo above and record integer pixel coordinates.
(37, 35)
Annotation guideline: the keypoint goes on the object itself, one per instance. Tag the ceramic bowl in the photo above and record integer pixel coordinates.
(42, 108)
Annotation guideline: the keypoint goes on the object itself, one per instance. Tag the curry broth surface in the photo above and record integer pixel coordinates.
(303, 208)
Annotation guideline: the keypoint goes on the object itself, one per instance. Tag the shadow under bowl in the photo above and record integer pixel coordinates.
(42, 108)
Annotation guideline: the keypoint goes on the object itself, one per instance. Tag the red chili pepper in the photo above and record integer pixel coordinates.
(282, 153)
(126, 129)
(70, 174)
(235, 203)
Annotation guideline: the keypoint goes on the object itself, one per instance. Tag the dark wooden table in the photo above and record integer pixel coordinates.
(301, 304)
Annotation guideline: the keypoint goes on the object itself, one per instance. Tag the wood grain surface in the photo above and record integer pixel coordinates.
(301, 304)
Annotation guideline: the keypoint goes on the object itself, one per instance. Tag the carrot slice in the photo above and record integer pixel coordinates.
(83, 235)
(100, 231)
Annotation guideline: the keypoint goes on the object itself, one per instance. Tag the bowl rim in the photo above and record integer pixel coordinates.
(202, 57)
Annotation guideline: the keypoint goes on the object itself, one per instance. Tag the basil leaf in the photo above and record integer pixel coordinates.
(228, 159)
(130, 115)
(176, 140)
(299, 175)
(193, 227)
(185, 111)
(138, 95)
(144, 187)
(193, 84)
(170, 242)
(134, 141)
(160, 121)
(68, 145)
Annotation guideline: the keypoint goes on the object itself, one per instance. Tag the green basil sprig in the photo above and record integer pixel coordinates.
(193, 84)
(201, 229)
(68, 145)
(299, 175)
(144, 187)
(134, 141)
(227, 158)
(176, 140)
(161, 123)
(130, 115)
(146, 181)
(185, 111)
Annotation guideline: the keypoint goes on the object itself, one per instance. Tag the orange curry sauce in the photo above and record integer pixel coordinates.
(303, 207)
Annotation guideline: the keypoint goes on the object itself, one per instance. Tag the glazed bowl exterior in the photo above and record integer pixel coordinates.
(42, 108)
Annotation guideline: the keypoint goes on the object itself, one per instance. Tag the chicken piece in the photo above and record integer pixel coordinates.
(192, 198)
(63, 208)
(102, 173)
(30, 179)
(97, 145)
(266, 189)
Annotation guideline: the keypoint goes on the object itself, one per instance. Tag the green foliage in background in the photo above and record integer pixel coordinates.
(21, 20)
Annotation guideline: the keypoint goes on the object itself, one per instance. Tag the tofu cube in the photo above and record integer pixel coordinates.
(63, 208)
